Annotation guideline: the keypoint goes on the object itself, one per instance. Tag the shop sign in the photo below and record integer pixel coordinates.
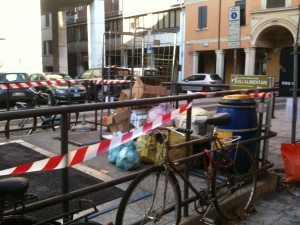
(248, 81)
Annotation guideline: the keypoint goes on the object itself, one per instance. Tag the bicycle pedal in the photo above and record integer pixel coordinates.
(207, 221)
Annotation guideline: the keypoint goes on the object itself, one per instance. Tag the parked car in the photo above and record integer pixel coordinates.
(91, 76)
(15, 94)
(59, 93)
(201, 78)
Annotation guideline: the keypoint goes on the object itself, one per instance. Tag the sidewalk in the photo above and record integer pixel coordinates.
(278, 207)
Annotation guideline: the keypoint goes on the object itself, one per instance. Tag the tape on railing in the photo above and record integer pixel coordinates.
(88, 152)
(240, 91)
(49, 82)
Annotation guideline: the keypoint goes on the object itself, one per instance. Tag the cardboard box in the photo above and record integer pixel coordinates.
(124, 95)
(148, 87)
(138, 117)
(119, 122)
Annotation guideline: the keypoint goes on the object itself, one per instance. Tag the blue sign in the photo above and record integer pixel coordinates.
(149, 48)
(233, 15)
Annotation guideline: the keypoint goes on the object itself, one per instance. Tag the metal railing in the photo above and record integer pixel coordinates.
(64, 111)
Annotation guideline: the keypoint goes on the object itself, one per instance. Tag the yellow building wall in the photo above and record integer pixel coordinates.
(207, 39)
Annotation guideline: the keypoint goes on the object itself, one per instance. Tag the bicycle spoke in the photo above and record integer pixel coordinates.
(234, 180)
(150, 200)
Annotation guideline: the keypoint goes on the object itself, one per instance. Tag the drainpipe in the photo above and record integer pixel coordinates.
(219, 25)
(295, 88)
(181, 53)
(217, 70)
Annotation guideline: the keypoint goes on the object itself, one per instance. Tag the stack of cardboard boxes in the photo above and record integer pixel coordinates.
(144, 87)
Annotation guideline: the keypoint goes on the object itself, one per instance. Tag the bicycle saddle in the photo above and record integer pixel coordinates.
(13, 186)
(219, 119)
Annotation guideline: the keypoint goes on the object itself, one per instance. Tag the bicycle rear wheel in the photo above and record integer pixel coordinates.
(151, 198)
(234, 183)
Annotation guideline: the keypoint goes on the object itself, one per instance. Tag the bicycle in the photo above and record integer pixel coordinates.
(154, 196)
(29, 124)
(14, 194)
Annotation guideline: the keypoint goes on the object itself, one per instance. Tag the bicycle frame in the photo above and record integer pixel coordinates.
(204, 196)
(46, 121)
(168, 163)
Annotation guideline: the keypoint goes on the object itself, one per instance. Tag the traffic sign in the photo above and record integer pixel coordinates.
(234, 35)
(149, 48)
(234, 13)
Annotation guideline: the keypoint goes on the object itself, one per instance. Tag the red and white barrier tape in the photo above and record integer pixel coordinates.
(241, 91)
(111, 81)
(262, 95)
(35, 83)
(49, 82)
(85, 153)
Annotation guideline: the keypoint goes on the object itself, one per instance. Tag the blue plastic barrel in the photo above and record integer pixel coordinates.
(242, 109)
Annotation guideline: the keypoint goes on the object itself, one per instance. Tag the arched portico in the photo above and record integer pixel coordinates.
(273, 40)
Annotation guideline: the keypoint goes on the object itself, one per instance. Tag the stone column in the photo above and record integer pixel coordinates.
(124, 57)
(249, 61)
(195, 62)
(59, 42)
(220, 63)
(96, 29)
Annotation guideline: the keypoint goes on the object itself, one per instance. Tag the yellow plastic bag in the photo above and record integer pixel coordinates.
(151, 151)
(175, 138)
(146, 147)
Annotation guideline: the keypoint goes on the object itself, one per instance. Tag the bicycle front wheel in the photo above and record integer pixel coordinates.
(234, 182)
(24, 126)
(153, 197)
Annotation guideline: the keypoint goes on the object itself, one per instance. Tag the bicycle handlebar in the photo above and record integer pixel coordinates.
(183, 130)
(39, 93)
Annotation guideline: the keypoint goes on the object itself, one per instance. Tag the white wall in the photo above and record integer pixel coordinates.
(20, 27)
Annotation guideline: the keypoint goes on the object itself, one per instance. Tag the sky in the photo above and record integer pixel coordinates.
(20, 35)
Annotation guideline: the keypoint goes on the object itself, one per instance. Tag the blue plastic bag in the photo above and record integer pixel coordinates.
(128, 158)
(113, 154)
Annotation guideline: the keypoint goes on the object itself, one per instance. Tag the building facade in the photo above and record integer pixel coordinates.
(268, 29)
(66, 25)
(123, 44)
(207, 36)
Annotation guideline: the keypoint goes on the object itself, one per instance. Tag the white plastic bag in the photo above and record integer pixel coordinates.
(160, 110)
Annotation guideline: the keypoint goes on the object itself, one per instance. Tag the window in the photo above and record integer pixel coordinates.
(83, 32)
(47, 20)
(155, 21)
(202, 17)
(166, 20)
(71, 33)
(112, 25)
(275, 3)
(47, 47)
(242, 4)
(80, 8)
(160, 20)
(177, 16)
(172, 19)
